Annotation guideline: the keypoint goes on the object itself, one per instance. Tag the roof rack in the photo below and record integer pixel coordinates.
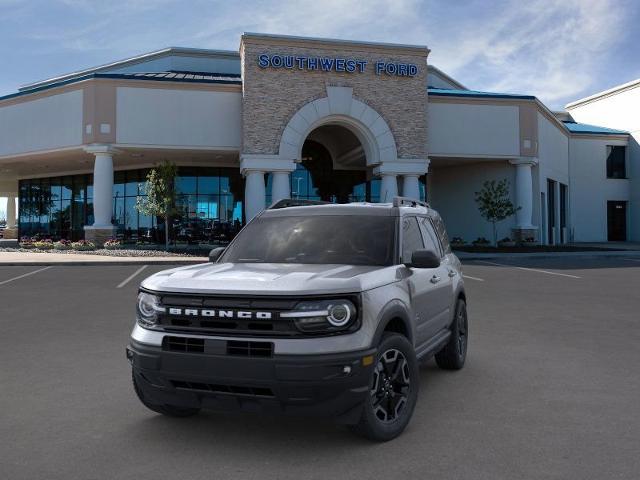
(408, 202)
(290, 202)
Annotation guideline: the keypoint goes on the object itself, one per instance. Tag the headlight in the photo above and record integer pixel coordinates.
(148, 307)
(323, 316)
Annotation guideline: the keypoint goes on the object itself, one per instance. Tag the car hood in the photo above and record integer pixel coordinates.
(271, 278)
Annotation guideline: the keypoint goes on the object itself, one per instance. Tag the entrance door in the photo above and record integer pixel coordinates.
(617, 221)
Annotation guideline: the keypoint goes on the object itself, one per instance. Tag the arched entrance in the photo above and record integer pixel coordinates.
(333, 168)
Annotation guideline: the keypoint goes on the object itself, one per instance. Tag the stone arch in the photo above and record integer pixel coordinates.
(340, 108)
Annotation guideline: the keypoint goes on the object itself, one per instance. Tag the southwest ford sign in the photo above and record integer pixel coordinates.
(331, 64)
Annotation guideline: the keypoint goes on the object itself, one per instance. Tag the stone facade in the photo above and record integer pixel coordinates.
(272, 96)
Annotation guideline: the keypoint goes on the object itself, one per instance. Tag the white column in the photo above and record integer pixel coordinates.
(254, 193)
(388, 187)
(524, 192)
(11, 211)
(411, 186)
(103, 189)
(280, 187)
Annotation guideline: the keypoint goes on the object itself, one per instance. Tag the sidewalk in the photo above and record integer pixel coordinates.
(465, 256)
(32, 258)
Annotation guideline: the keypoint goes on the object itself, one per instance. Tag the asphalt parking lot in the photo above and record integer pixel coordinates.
(550, 390)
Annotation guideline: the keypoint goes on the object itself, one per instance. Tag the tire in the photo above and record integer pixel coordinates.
(393, 390)
(168, 410)
(454, 353)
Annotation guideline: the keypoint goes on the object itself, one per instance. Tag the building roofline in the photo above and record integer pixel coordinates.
(604, 93)
(118, 76)
(445, 92)
(446, 76)
(131, 61)
(336, 41)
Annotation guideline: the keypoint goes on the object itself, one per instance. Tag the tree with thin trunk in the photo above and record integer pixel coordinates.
(494, 203)
(160, 199)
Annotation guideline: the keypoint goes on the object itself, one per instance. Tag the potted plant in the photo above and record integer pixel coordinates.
(506, 242)
(83, 245)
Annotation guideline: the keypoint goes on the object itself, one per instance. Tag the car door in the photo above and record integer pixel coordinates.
(422, 282)
(439, 307)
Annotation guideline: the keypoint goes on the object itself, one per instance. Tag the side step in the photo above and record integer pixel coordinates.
(434, 345)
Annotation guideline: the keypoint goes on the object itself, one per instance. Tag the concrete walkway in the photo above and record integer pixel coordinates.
(33, 258)
(587, 254)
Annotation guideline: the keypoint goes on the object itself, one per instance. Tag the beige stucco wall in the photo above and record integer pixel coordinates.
(272, 96)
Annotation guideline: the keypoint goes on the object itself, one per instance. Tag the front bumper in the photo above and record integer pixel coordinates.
(333, 385)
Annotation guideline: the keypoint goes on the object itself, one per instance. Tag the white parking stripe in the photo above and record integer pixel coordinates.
(473, 278)
(25, 275)
(529, 269)
(131, 277)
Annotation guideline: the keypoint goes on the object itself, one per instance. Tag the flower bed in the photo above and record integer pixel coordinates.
(83, 245)
(113, 244)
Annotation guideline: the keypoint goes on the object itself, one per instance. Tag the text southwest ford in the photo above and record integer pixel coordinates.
(313, 309)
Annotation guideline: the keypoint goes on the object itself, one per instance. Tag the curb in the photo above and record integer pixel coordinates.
(547, 255)
(90, 263)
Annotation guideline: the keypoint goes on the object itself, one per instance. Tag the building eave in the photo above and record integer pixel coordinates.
(131, 61)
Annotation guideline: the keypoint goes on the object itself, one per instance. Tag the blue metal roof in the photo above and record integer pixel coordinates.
(444, 92)
(575, 127)
(188, 77)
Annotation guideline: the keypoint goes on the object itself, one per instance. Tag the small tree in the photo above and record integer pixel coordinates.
(160, 193)
(494, 203)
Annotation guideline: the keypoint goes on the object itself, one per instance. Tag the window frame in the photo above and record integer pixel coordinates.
(402, 218)
(625, 172)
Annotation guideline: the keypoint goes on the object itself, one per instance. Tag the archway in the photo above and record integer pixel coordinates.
(333, 167)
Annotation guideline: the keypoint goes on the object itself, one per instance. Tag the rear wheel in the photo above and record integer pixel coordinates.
(454, 353)
(393, 391)
(169, 410)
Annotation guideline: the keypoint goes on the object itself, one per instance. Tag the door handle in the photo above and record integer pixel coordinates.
(435, 279)
(452, 273)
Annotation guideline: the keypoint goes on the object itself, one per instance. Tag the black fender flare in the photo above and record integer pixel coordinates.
(391, 311)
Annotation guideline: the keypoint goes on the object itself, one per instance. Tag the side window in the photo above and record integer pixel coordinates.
(411, 238)
(442, 233)
(430, 238)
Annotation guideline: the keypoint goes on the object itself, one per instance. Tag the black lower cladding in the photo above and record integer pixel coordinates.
(332, 385)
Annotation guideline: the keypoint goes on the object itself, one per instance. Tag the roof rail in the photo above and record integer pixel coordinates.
(408, 202)
(290, 202)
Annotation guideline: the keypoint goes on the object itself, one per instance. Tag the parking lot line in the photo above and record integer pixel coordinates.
(633, 259)
(25, 275)
(131, 277)
(529, 269)
(473, 278)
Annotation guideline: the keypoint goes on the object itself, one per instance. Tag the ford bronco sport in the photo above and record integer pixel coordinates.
(321, 309)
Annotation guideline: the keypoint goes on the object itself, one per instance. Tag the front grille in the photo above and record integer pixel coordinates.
(250, 349)
(183, 344)
(274, 326)
(225, 389)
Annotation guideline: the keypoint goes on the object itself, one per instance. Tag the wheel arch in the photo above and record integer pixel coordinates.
(394, 319)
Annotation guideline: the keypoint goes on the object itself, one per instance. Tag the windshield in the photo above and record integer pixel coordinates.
(349, 240)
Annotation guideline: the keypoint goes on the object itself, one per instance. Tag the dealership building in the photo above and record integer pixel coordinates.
(309, 118)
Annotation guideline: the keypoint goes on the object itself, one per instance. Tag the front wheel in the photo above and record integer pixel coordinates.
(393, 391)
(454, 353)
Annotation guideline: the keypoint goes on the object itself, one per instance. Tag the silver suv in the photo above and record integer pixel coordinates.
(313, 309)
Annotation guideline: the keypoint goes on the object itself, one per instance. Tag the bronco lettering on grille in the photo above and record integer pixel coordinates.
(239, 314)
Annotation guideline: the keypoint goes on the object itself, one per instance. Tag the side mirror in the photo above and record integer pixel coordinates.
(215, 254)
(424, 259)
